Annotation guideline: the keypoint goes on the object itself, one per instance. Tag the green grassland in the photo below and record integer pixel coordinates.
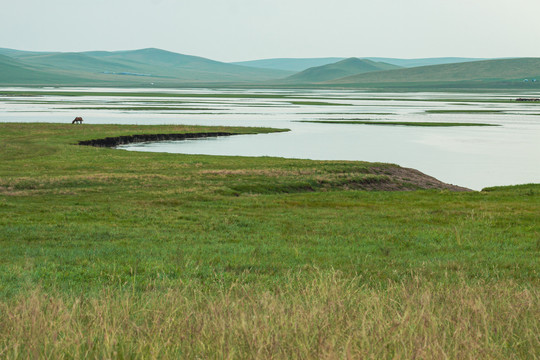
(114, 254)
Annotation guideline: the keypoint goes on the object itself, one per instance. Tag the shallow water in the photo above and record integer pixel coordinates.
(475, 157)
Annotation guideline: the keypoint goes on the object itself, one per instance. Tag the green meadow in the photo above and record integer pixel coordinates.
(114, 254)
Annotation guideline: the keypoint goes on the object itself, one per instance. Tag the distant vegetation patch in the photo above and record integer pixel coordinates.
(135, 108)
(397, 123)
(317, 103)
(140, 94)
(464, 111)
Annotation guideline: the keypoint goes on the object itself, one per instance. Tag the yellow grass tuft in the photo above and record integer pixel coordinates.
(320, 316)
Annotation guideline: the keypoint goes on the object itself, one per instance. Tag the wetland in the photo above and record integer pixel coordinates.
(293, 251)
(474, 140)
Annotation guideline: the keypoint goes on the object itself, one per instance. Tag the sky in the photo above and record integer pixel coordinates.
(236, 30)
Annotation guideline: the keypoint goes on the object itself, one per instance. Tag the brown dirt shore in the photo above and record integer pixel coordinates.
(389, 177)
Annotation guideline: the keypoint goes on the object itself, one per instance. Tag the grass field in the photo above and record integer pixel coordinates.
(115, 254)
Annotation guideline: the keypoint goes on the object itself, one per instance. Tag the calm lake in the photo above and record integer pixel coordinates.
(471, 156)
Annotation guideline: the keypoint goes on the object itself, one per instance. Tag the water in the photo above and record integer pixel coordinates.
(475, 157)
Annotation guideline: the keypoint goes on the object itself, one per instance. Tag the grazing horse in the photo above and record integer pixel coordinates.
(77, 120)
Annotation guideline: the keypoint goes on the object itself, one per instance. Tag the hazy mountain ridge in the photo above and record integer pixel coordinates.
(73, 61)
(515, 70)
(408, 63)
(289, 64)
(343, 68)
(155, 67)
(163, 67)
(13, 71)
(300, 64)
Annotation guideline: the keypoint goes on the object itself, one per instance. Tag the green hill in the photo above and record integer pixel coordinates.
(13, 71)
(423, 61)
(289, 64)
(16, 72)
(302, 64)
(507, 72)
(350, 66)
(188, 67)
(17, 53)
(73, 61)
(125, 68)
(155, 67)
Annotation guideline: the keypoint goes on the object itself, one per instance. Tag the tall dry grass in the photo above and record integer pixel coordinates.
(322, 316)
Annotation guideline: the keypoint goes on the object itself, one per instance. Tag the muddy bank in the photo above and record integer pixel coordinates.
(401, 178)
(129, 139)
(390, 177)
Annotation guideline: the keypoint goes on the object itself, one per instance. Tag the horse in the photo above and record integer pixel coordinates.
(77, 120)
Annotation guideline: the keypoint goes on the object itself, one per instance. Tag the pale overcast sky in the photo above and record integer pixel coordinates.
(233, 30)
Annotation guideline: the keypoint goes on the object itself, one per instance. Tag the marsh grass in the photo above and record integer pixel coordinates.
(318, 315)
(318, 103)
(396, 123)
(115, 254)
(142, 94)
(113, 94)
(138, 108)
(464, 111)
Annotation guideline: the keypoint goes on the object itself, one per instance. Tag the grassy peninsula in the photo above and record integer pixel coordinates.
(115, 254)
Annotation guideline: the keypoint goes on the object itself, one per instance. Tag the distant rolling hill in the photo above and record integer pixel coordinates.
(14, 68)
(188, 67)
(124, 68)
(301, 64)
(13, 71)
(155, 67)
(350, 66)
(423, 61)
(74, 62)
(507, 72)
(289, 64)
